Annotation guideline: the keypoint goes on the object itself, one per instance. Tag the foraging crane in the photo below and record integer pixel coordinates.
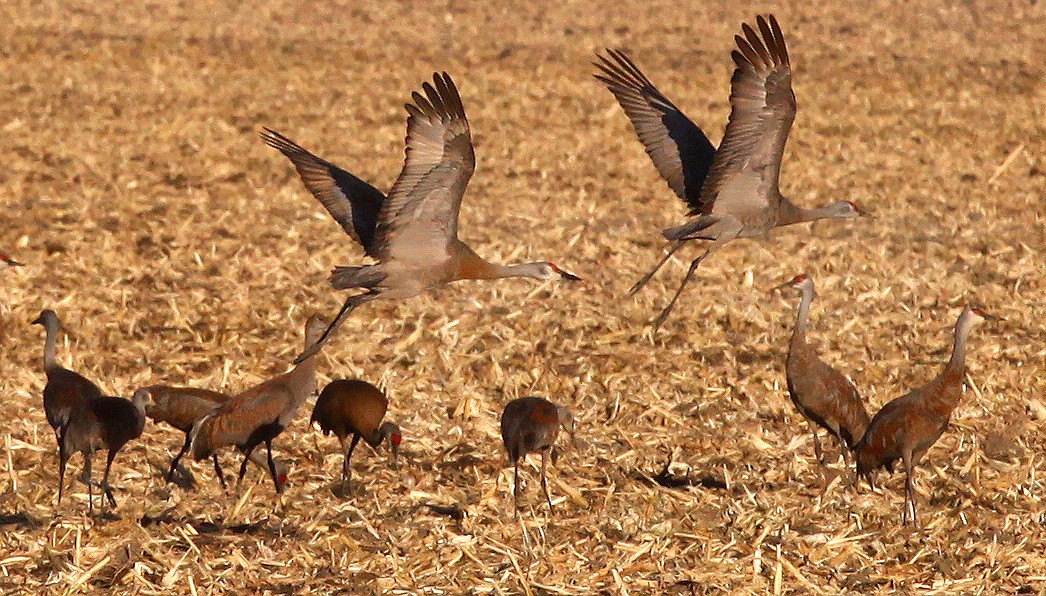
(351, 407)
(732, 192)
(908, 426)
(101, 422)
(182, 407)
(259, 414)
(530, 425)
(821, 394)
(412, 233)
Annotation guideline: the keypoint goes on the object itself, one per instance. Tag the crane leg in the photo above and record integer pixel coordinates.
(88, 456)
(350, 304)
(515, 487)
(690, 273)
(106, 489)
(218, 472)
(63, 459)
(729, 230)
(243, 467)
(650, 274)
(177, 458)
(272, 466)
(817, 445)
(545, 455)
(909, 492)
(346, 466)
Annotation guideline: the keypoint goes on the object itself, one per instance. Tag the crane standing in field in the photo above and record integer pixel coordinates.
(821, 394)
(412, 233)
(732, 192)
(908, 426)
(530, 425)
(182, 407)
(259, 414)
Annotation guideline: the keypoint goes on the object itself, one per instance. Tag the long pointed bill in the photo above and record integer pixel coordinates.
(564, 273)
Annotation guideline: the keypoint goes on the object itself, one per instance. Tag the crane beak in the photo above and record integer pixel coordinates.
(780, 287)
(564, 273)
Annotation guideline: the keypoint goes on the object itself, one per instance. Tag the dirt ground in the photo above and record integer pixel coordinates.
(178, 248)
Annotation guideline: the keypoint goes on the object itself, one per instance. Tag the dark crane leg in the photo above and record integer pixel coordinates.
(346, 468)
(272, 466)
(174, 462)
(545, 455)
(350, 304)
(218, 472)
(664, 259)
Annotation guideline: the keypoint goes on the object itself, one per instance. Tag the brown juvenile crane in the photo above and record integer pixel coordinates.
(351, 407)
(731, 192)
(259, 414)
(530, 425)
(101, 422)
(182, 407)
(412, 233)
(66, 391)
(908, 426)
(820, 393)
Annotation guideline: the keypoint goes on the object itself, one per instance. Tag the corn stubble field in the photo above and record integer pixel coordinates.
(178, 248)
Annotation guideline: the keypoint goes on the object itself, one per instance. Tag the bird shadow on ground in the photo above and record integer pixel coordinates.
(260, 528)
(12, 521)
(668, 479)
(182, 478)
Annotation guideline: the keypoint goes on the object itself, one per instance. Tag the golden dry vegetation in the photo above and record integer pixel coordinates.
(178, 248)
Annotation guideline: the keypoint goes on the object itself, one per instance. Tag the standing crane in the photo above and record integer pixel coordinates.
(908, 426)
(731, 192)
(259, 414)
(822, 395)
(530, 425)
(412, 233)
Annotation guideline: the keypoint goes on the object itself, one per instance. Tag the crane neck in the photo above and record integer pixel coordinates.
(50, 359)
(789, 213)
(962, 333)
(301, 380)
(804, 311)
(473, 266)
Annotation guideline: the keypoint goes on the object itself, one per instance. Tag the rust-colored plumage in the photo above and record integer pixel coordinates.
(908, 426)
(412, 233)
(354, 408)
(182, 407)
(261, 413)
(530, 425)
(731, 192)
(821, 394)
(101, 422)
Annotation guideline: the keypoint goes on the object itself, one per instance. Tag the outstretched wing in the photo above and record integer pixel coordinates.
(745, 170)
(351, 202)
(680, 150)
(420, 217)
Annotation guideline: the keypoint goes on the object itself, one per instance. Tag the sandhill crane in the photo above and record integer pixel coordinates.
(6, 261)
(908, 426)
(66, 391)
(413, 233)
(822, 395)
(530, 425)
(261, 413)
(731, 192)
(101, 422)
(351, 407)
(182, 407)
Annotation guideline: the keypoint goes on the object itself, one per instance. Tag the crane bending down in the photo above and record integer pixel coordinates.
(412, 233)
(731, 191)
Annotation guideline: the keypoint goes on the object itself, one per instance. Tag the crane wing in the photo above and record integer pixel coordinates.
(680, 150)
(352, 203)
(419, 220)
(748, 161)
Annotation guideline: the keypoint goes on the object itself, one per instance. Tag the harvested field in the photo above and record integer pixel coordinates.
(177, 248)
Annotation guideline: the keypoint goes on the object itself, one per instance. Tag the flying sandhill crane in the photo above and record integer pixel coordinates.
(908, 426)
(66, 392)
(413, 233)
(530, 425)
(261, 413)
(101, 422)
(6, 261)
(182, 407)
(731, 192)
(822, 395)
(351, 407)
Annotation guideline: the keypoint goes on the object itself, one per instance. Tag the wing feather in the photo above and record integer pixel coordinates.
(352, 203)
(744, 174)
(680, 150)
(419, 220)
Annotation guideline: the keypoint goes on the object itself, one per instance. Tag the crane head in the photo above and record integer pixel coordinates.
(982, 314)
(555, 272)
(796, 282)
(7, 261)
